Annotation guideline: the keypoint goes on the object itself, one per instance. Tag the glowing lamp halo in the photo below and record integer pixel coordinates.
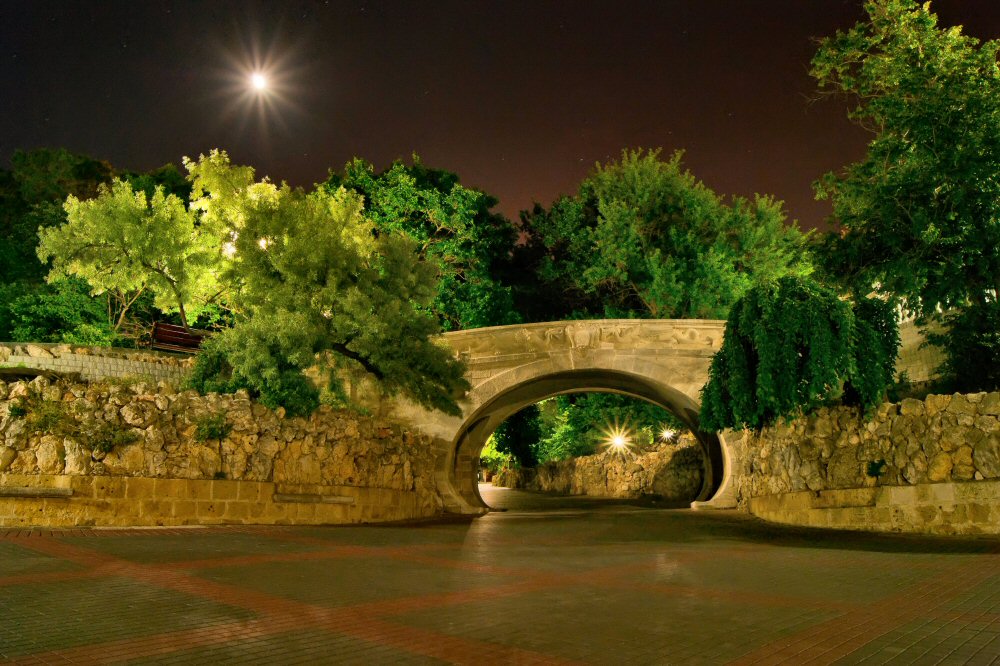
(617, 438)
(258, 81)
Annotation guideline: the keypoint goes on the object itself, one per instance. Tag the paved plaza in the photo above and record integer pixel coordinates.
(548, 581)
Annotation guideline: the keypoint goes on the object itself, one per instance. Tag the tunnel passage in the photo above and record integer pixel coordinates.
(483, 421)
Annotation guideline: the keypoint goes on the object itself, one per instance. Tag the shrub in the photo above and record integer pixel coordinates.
(47, 416)
(212, 426)
(62, 311)
(278, 384)
(792, 346)
(105, 437)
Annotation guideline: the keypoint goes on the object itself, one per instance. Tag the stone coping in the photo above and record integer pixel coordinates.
(29, 491)
(60, 349)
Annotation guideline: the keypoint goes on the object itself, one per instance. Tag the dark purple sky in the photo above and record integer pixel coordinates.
(519, 98)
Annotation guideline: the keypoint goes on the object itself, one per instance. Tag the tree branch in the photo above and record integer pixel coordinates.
(342, 349)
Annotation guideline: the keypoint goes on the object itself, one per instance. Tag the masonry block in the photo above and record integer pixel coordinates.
(236, 511)
(899, 495)
(185, 509)
(224, 490)
(170, 488)
(139, 488)
(199, 489)
(109, 487)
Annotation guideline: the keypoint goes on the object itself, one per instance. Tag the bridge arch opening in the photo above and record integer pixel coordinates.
(483, 421)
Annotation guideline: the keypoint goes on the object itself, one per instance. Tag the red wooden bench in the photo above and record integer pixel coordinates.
(169, 337)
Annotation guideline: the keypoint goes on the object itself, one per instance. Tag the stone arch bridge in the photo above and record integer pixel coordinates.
(510, 367)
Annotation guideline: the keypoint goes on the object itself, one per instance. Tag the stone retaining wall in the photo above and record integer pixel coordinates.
(96, 363)
(335, 466)
(671, 471)
(929, 465)
(80, 501)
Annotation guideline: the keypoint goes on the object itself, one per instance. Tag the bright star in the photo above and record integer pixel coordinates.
(258, 81)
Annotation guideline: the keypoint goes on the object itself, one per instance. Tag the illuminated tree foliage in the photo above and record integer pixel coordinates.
(920, 215)
(452, 226)
(793, 345)
(124, 242)
(314, 283)
(578, 424)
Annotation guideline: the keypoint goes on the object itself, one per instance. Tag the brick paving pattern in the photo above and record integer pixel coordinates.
(546, 581)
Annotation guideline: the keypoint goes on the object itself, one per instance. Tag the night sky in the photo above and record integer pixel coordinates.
(519, 98)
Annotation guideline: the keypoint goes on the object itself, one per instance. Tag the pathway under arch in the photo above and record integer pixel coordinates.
(509, 367)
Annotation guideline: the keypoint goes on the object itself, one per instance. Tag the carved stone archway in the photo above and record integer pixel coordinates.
(509, 367)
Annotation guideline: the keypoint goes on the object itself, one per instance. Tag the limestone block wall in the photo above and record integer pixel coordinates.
(929, 465)
(95, 363)
(671, 471)
(167, 466)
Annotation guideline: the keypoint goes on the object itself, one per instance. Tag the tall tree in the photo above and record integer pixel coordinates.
(919, 217)
(123, 242)
(314, 283)
(644, 238)
(453, 226)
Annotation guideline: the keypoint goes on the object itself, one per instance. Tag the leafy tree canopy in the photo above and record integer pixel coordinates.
(168, 177)
(644, 238)
(61, 312)
(579, 424)
(125, 242)
(793, 345)
(314, 281)
(920, 215)
(31, 196)
(453, 226)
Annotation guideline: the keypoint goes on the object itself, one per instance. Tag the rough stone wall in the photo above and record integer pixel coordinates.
(671, 471)
(939, 439)
(330, 448)
(95, 363)
(929, 465)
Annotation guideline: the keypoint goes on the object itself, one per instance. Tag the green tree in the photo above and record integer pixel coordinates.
(792, 346)
(517, 435)
(644, 238)
(580, 424)
(168, 177)
(919, 216)
(453, 226)
(314, 283)
(31, 196)
(125, 243)
(61, 312)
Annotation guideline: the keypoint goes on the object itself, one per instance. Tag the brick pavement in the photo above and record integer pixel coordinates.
(570, 581)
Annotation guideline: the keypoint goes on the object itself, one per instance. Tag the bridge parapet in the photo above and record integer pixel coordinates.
(701, 337)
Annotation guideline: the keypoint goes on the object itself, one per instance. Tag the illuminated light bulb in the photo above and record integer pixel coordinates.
(258, 81)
